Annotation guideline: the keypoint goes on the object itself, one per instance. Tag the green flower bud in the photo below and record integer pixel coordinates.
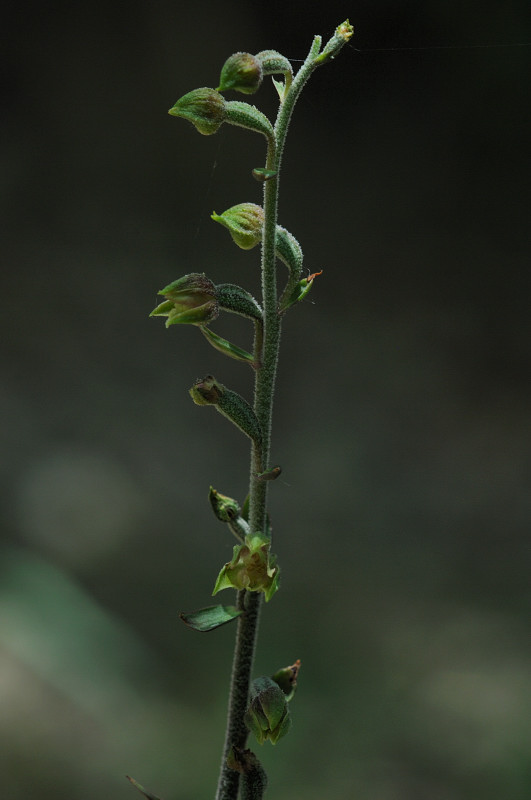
(286, 679)
(190, 300)
(273, 63)
(208, 392)
(252, 567)
(205, 108)
(268, 714)
(245, 223)
(225, 508)
(341, 36)
(242, 72)
(228, 510)
(298, 293)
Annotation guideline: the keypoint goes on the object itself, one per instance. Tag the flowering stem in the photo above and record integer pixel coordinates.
(266, 355)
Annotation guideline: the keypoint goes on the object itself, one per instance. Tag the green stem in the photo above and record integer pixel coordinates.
(265, 354)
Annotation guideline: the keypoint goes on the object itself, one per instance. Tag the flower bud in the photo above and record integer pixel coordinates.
(190, 300)
(268, 714)
(273, 63)
(209, 392)
(228, 510)
(244, 222)
(252, 567)
(287, 679)
(205, 108)
(341, 36)
(225, 508)
(242, 72)
(297, 293)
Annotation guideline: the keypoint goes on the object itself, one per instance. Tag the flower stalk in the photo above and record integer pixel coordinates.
(195, 300)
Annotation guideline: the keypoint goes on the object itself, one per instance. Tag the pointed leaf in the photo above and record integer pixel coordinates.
(141, 789)
(227, 348)
(280, 86)
(207, 619)
(263, 174)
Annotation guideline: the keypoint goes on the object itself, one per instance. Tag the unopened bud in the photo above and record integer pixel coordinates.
(242, 72)
(209, 392)
(245, 223)
(286, 679)
(341, 36)
(205, 108)
(190, 300)
(268, 715)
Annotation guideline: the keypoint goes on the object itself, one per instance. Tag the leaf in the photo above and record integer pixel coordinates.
(280, 86)
(141, 789)
(263, 174)
(229, 349)
(207, 619)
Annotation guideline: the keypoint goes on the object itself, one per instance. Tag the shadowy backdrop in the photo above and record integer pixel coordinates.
(402, 515)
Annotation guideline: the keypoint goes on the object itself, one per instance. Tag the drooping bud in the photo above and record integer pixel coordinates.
(273, 63)
(341, 36)
(287, 679)
(209, 392)
(205, 108)
(242, 72)
(245, 223)
(190, 300)
(252, 567)
(268, 715)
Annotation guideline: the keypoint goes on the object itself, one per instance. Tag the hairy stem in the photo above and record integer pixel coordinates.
(266, 355)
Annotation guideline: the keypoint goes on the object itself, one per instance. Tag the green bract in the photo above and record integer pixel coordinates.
(252, 567)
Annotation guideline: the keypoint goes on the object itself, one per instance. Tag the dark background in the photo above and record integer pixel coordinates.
(402, 517)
